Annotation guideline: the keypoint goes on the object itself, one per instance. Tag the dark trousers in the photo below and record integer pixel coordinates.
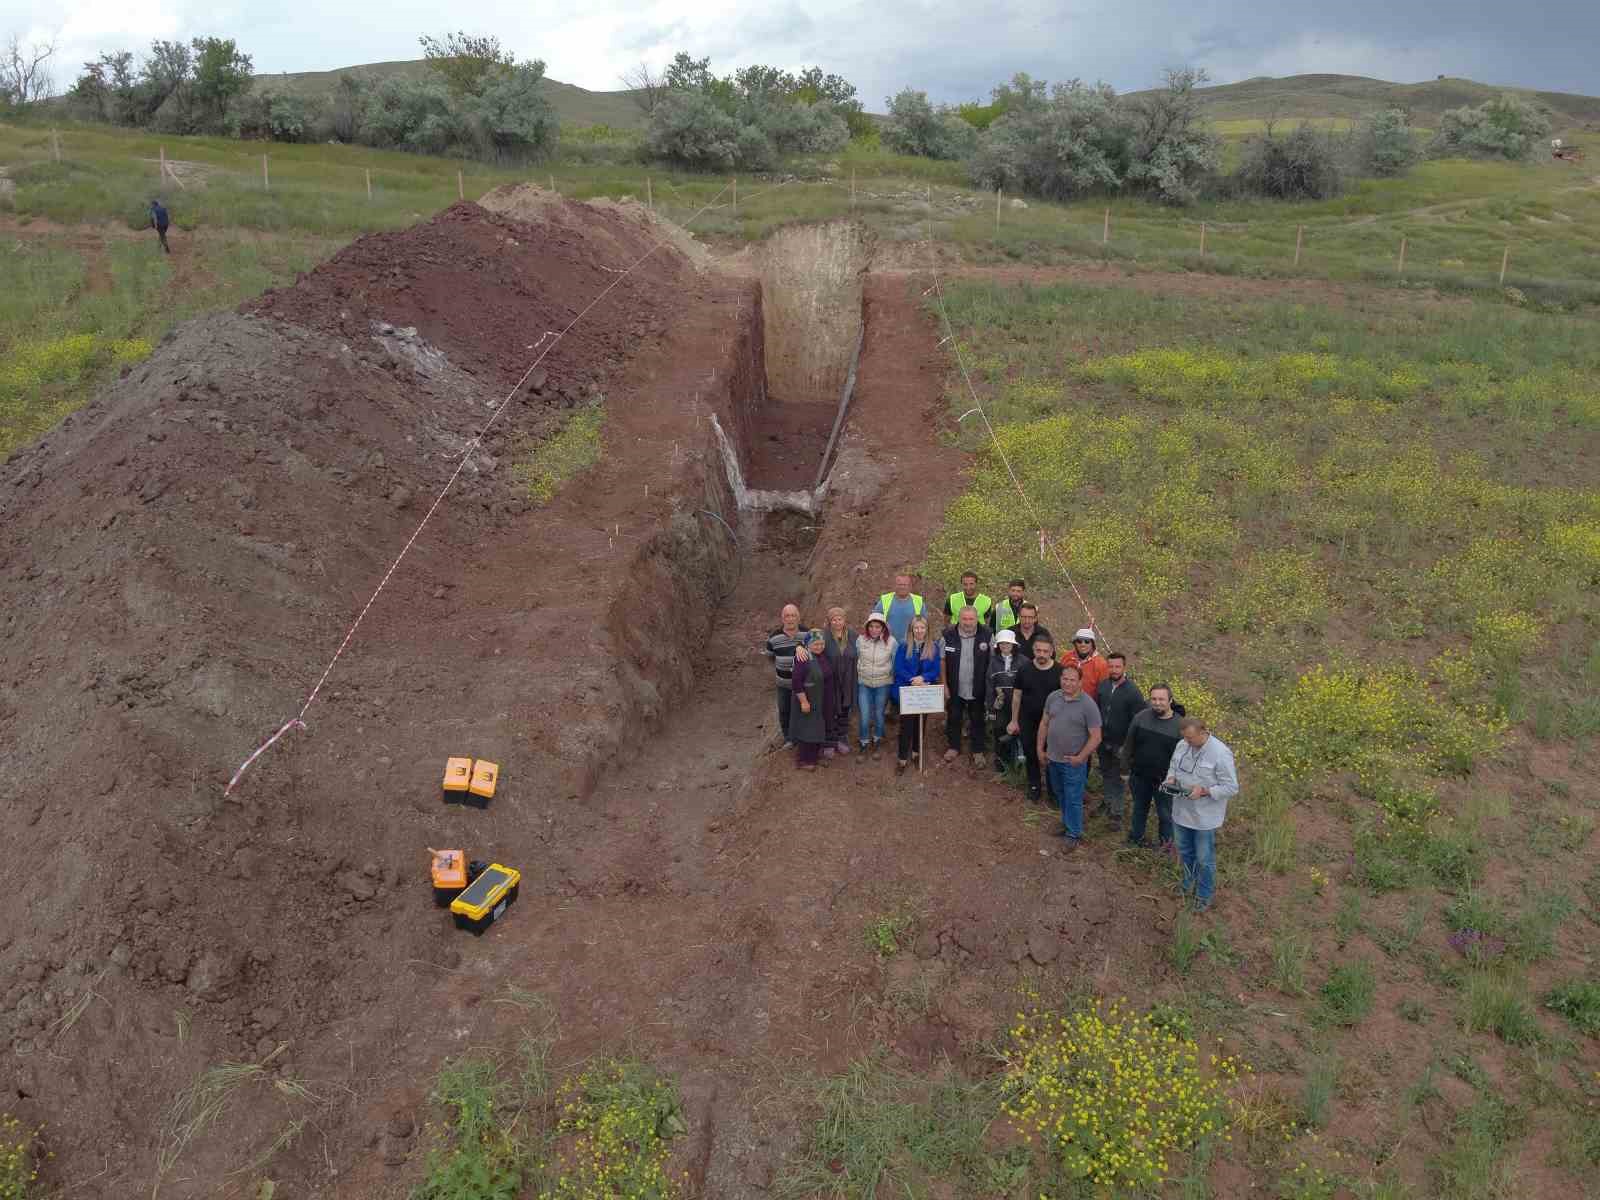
(1144, 791)
(161, 232)
(1030, 746)
(785, 706)
(1111, 779)
(957, 710)
(910, 736)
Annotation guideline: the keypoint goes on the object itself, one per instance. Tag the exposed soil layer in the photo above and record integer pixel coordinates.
(177, 563)
(477, 286)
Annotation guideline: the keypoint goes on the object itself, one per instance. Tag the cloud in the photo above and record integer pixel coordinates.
(954, 52)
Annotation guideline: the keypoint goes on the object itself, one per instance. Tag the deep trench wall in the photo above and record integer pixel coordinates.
(680, 574)
(811, 278)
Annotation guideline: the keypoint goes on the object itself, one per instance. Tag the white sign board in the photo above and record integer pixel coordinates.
(917, 699)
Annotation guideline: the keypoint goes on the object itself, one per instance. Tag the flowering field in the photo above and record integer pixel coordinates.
(1365, 537)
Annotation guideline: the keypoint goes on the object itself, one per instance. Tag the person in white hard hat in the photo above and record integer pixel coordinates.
(1004, 663)
(1084, 654)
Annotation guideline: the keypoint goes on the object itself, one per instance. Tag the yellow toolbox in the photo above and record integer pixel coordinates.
(481, 788)
(457, 778)
(486, 899)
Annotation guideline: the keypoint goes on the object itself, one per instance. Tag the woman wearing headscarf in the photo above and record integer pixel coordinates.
(916, 662)
(813, 696)
(841, 651)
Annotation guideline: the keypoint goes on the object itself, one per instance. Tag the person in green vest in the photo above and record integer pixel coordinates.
(1009, 611)
(968, 597)
(900, 606)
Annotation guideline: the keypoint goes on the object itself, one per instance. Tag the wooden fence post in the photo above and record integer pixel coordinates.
(1505, 261)
(552, 183)
(1402, 255)
(736, 195)
(1202, 239)
(266, 181)
(55, 144)
(649, 194)
(852, 187)
(997, 192)
(1105, 230)
(461, 188)
(369, 183)
(1299, 236)
(163, 164)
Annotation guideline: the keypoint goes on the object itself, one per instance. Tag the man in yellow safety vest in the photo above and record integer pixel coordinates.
(968, 597)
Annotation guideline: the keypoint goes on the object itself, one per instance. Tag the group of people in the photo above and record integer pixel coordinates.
(1007, 685)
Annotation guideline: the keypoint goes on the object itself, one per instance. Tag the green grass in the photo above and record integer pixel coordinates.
(1495, 1002)
(1477, 1163)
(887, 934)
(71, 316)
(880, 1132)
(1346, 997)
(543, 467)
(1578, 1000)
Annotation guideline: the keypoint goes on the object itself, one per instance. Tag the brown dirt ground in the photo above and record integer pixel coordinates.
(176, 563)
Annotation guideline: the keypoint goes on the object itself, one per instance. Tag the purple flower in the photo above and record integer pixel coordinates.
(1476, 946)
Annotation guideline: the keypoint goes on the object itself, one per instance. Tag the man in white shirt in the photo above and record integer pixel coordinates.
(1203, 772)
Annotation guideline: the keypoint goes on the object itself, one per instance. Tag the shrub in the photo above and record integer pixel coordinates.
(411, 115)
(478, 1158)
(1173, 151)
(1300, 165)
(273, 116)
(1110, 1095)
(1505, 127)
(1384, 144)
(510, 118)
(1072, 142)
(690, 129)
(915, 126)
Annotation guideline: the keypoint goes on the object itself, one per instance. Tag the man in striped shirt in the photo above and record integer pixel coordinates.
(780, 649)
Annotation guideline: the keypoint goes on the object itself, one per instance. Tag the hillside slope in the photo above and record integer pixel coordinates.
(574, 105)
(1355, 95)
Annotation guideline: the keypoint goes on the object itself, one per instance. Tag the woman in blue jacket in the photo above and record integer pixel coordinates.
(917, 661)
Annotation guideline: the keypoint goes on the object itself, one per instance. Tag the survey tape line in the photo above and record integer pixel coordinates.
(950, 331)
(546, 343)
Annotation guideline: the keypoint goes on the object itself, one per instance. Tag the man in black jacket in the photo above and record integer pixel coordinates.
(1035, 681)
(1120, 701)
(963, 669)
(1147, 755)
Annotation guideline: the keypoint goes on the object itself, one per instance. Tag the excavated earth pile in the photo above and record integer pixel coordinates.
(177, 564)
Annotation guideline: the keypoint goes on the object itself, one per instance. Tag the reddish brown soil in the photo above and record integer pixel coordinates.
(476, 286)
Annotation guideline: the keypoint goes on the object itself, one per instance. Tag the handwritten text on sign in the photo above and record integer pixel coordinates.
(922, 698)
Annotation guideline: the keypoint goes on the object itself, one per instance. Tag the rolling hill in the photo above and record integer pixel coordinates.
(1294, 97)
(1351, 96)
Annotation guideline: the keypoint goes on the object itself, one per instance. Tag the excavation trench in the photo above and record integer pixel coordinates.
(785, 434)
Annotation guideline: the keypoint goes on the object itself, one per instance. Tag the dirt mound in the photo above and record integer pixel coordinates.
(485, 288)
(177, 562)
(532, 203)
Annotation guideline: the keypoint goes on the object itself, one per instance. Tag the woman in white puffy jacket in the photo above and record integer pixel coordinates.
(1203, 775)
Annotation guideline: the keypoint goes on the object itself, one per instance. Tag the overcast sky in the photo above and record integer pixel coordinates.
(954, 51)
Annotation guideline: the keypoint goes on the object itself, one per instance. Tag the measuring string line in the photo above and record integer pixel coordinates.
(977, 406)
(548, 341)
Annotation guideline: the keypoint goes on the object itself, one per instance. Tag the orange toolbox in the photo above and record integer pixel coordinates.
(480, 790)
(457, 778)
(449, 871)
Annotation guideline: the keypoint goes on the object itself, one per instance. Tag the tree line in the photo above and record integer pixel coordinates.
(1032, 138)
(1075, 139)
(477, 99)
